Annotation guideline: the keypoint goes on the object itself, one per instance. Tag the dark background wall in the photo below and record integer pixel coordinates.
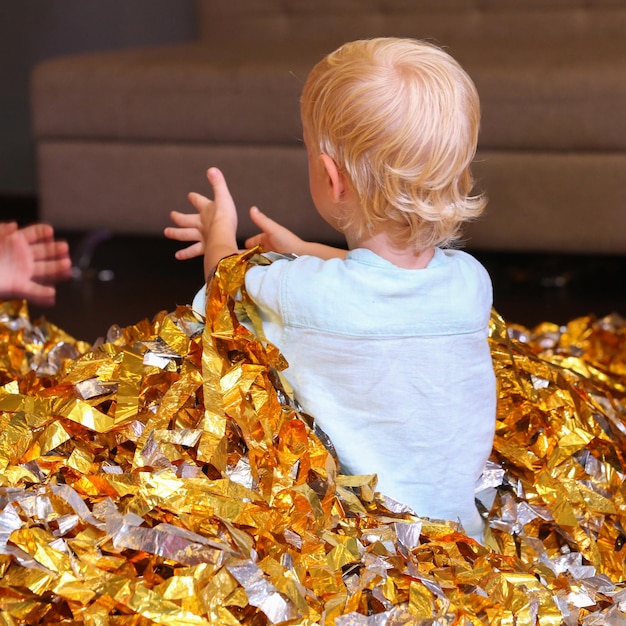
(33, 30)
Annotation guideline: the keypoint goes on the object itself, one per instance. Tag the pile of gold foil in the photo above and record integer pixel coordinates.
(165, 476)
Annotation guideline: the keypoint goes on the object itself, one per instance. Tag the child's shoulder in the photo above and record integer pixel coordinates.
(455, 254)
(294, 264)
(458, 258)
(288, 271)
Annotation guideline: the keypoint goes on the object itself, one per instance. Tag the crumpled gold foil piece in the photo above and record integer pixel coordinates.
(166, 476)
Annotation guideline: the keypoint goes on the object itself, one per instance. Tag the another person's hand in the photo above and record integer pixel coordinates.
(30, 260)
(6, 228)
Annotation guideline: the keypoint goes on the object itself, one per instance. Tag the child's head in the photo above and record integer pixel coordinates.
(400, 119)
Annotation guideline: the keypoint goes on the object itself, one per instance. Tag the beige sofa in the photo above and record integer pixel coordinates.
(122, 136)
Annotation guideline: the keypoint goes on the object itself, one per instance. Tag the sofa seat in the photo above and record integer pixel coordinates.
(123, 136)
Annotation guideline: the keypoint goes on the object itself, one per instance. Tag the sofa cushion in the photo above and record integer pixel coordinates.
(174, 93)
(536, 93)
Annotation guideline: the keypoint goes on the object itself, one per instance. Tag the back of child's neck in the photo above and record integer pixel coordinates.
(405, 257)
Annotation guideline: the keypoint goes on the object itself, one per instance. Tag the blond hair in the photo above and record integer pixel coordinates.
(400, 118)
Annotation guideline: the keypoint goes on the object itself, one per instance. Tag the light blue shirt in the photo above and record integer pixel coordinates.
(394, 366)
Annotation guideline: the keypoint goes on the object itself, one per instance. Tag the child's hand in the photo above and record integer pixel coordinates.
(218, 221)
(276, 238)
(30, 259)
(188, 228)
(219, 211)
(273, 237)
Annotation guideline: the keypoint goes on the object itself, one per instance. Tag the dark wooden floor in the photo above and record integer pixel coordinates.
(131, 278)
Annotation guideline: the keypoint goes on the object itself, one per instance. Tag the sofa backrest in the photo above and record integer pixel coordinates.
(305, 21)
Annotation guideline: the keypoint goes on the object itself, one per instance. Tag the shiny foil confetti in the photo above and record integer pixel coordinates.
(166, 476)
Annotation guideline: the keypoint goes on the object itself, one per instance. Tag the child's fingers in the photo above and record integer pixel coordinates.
(255, 240)
(201, 203)
(190, 252)
(264, 223)
(182, 234)
(186, 220)
(221, 193)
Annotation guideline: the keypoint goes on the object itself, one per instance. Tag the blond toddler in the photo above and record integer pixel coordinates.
(386, 341)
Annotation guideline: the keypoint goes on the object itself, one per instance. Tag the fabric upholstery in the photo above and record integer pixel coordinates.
(551, 75)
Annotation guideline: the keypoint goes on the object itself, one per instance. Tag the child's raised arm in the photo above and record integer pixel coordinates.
(219, 221)
(213, 229)
(273, 237)
(276, 238)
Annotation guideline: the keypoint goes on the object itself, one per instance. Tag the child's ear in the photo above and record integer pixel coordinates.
(336, 179)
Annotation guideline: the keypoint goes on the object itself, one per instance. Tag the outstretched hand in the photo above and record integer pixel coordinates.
(30, 260)
(212, 231)
(188, 228)
(276, 238)
(273, 237)
(217, 225)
